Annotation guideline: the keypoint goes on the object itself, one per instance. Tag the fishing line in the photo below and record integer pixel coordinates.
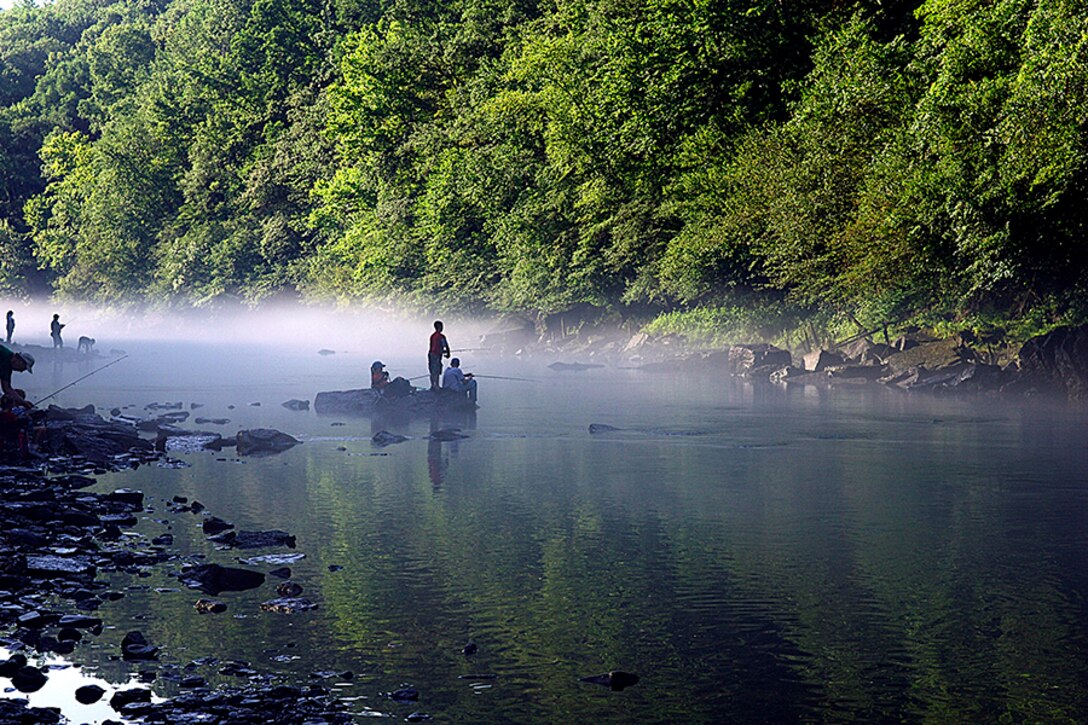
(59, 390)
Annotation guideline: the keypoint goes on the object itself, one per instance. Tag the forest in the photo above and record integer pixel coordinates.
(708, 163)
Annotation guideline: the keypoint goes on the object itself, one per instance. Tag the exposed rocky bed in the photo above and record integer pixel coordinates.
(57, 538)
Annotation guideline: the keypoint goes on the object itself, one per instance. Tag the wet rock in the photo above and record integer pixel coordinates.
(288, 605)
(932, 356)
(254, 539)
(273, 559)
(746, 360)
(595, 428)
(192, 682)
(819, 360)
(281, 573)
(404, 694)
(13, 664)
(128, 496)
(135, 648)
(28, 679)
(418, 717)
(60, 566)
(385, 438)
(122, 698)
(211, 421)
(163, 540)
(288, 589)
(324, 351)
(79, 621)
(295, 404)
(574, 367)
(209, 606)
(264, 441)
(214, 525)
(470, 649)
(89, 694)
(616, 679)
(1057, 361)
(213, 579)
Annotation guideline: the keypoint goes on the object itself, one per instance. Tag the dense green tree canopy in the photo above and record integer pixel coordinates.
(883, 159)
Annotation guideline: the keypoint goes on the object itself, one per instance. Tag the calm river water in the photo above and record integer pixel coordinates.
(754, 554)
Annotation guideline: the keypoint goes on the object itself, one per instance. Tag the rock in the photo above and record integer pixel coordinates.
(615, 680)
(1057, 361)
(79, 621)
(281, 573)
(288, 605)
(384, 438)
(325, 351)
(60, 566)
(405, 694)
(932, 356)
(133, 498)
(214, 525)
(264, 440)
(295, 404)
(746, 360)
(28, 679)
(135, 648)
(470, 649)
(13, 664)
(595, 428)
(865, 352)
(866, 373)
(121, 698)
(289, 589)
(89, 694)
(574, 367)
(418, 717)
(254, 539)
(213, 579)
(819, 360)
(209, 606)
(273, 559)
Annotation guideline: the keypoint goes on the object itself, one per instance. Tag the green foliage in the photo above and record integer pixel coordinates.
(869, 160)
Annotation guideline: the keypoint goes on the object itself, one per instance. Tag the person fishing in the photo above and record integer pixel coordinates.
(15, 362)
(459, 382)
(11, 325)
(54, 331)
(439, 347)
(379, 380)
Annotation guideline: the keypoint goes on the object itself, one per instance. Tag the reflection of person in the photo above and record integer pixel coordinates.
(54, 331)
(439, 347)
(15, 362)
(11, 325)
(436, 467)
(379, 380)
(459, 382)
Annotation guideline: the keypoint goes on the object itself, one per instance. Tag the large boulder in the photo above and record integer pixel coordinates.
(1058, 361)
(346, 401)
(820, 360)
(264, 440)
(933, 356)
(212, 579)
(748, 360)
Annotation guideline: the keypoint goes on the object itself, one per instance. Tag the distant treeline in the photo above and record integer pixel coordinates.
(878, 158)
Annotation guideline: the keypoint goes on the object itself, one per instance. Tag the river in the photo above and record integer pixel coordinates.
(753, 553)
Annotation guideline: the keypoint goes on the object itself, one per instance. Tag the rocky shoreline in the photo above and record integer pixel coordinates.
(1051, 365)
(57, 538)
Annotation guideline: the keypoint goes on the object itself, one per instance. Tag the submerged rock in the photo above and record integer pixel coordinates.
(254, 539)
(385, 438)
(616, 679)
(209, 606)
(134, 647)
(213, 579)
(288, 605)
(296, 404)
(264, 440)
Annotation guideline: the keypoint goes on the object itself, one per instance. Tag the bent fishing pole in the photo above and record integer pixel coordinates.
(79, 379)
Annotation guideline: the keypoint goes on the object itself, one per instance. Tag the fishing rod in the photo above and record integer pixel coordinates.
(477, 375)
(59, 390)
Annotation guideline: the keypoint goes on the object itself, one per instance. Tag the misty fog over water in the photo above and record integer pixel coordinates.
(754, 553)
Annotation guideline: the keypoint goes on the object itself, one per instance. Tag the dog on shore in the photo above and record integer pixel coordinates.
(85, 344)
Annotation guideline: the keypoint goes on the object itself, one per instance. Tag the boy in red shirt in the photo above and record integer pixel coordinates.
(439, 347)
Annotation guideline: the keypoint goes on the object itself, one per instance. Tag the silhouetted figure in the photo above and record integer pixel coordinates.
(86, 344)
(15, 362)
(459, 382)
(11, 325)
(439, 347)
(379, 380)
(54, 331)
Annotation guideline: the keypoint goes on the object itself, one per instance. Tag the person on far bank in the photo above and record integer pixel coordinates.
(459, 382)
(15, 362)
(439, 347)
(54, 331)
(11, 325)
